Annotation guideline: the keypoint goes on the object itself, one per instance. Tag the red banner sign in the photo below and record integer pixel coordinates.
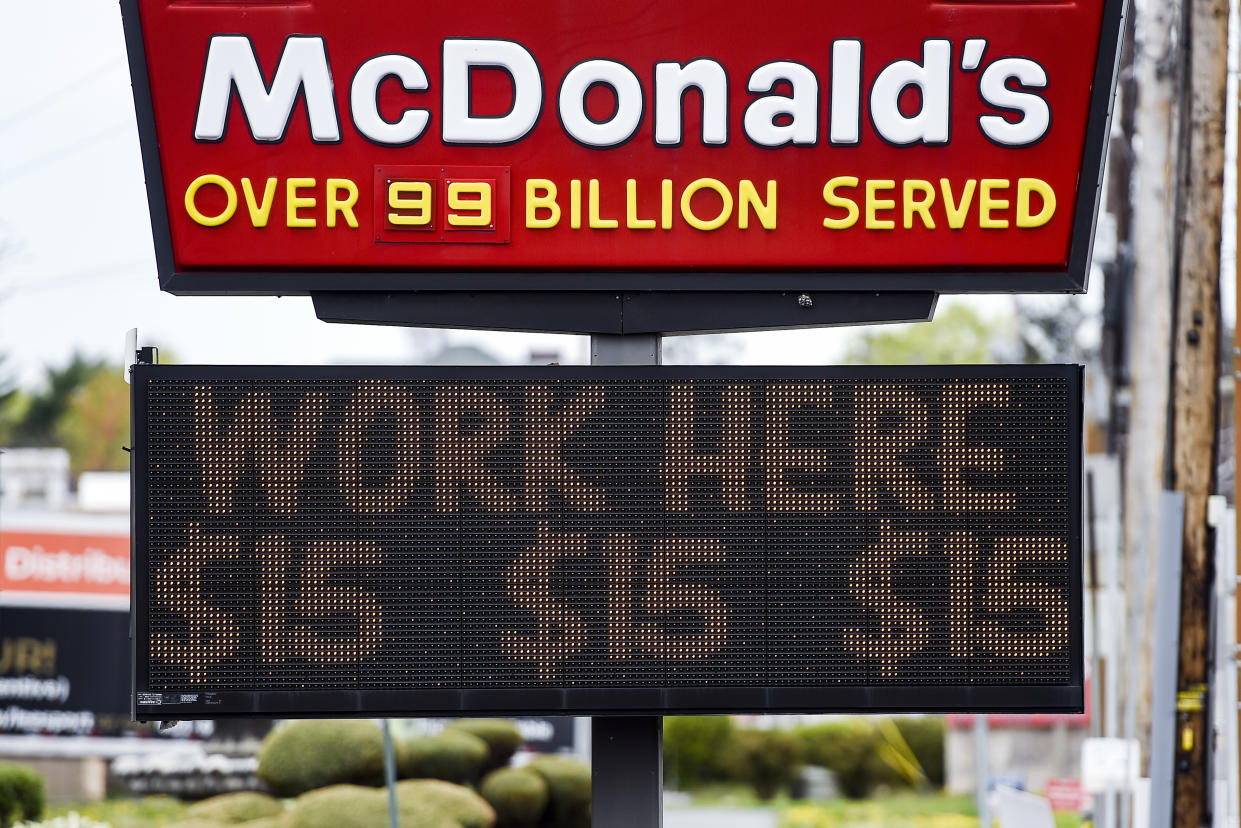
(48, 562)
(892, 144)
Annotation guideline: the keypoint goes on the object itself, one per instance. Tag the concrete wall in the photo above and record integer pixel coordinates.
(1030, 755)
(69, 779)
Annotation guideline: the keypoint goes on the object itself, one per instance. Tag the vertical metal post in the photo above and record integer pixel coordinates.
(390, 774)
(627, 752)
(1166, 653)
(982, 770)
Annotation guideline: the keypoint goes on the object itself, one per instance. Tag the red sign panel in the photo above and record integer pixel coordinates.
(47, 562)
(891, 144)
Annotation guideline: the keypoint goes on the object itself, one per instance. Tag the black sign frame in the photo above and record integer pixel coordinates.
(195, 703)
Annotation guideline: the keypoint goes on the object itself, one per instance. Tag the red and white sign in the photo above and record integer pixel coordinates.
(1068, 795)
(48, 562)
(912, 144)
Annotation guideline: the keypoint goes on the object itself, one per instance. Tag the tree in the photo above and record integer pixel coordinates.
(1051, 329)
(95, 423)
(44, 409)
(958, 335)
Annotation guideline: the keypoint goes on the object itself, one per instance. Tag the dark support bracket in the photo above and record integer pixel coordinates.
(639, 312)
(627, 771)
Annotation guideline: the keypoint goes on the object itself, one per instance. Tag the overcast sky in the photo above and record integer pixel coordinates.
(78, 267)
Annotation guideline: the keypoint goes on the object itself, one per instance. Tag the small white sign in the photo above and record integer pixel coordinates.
(1109, 764)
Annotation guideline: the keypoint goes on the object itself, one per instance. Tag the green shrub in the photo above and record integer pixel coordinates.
(568, 789)
(693, 746)
(519, 796)
(198, 822)
(925, 737)
(454, 756)
(264, 822)
(23, 794)
(501, 735)
(352, 806)
(305, 755)
(849, 748)
(462, 804)
(236, 807)
(766, 760)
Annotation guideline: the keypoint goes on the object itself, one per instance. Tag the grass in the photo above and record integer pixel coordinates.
(147, 812)
(894, 810)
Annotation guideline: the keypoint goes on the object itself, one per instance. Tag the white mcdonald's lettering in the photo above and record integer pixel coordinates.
(291, 626)
(280, 454)
(460, 455)
(210, 637)
(546, 433)
(682, 463)
(373, 398)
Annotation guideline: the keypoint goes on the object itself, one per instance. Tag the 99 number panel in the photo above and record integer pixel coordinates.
(334, 541)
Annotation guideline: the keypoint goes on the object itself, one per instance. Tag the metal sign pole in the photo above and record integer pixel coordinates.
(627, 752)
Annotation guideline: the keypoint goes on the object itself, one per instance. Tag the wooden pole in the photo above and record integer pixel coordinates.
(1195, 382)
(1236, 414)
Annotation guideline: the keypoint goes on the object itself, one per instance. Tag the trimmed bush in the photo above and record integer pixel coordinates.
(501, 735)
(766, 760)
(305, 755)
(519, 796)
(352, 806)
(849, 748)
(568, 788)
(23, 794)
(925, 737)
(265, 822)
(454, 756)
(693, 746)
(462, 804)
(236, 807)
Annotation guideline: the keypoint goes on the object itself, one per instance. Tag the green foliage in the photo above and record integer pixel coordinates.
(265, 822)
(95, 423)
(766, 760)
(925, 737)
(568, 788)
(460, 803)
(198, 822)
(23, 794)
(236, 807)
(309, 754)
(501, 735)
(37, 426)
(958, 335)
(693, 747)
(352, 806)
(518, 795)
(849, 749)
(898, 753)
(454, 756)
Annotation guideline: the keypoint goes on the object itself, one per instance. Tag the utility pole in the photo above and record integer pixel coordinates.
(1155, 123)
(1195, 380)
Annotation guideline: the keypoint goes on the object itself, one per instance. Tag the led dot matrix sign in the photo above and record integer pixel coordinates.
(642, 539)
(886, 145)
